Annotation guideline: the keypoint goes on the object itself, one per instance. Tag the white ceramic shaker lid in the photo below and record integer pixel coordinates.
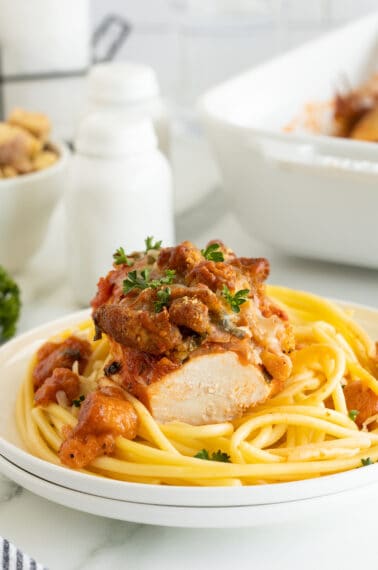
(103, 135)
(122, 82)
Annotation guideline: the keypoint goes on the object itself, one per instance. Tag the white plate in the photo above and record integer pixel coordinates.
(190, 517)
(14, 358)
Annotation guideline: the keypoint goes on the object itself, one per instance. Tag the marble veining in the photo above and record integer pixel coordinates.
(8, 489)
(65, 539)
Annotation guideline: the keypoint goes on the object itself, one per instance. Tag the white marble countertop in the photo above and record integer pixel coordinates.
(65, 539)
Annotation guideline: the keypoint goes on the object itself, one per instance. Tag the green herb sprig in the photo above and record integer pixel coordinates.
(143, 281)
(77, 403)
(120, 257)
(215, 456)
(163, 296)
(135, 281)
(211, 253)
(235, 300)
(353, 414)
(366, 461)
(167, 280)
(149, 243)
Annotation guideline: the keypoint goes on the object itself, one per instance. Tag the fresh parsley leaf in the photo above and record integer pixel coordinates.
(353, 414)
(149, 241)
(163, 296)
(235, 300)
(211, 253)
(167, 280)
(120, 257)
(215, 456)
(143, 281)
(203, 454)
(135, 281)
(220, 456)
(77, 403)
(366, 461)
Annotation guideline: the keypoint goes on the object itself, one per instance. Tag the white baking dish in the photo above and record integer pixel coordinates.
(309, 195)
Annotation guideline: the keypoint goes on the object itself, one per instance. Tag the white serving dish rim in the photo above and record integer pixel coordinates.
(212, 112)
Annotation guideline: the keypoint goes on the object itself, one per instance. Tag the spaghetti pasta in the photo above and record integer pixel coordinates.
(304, 431)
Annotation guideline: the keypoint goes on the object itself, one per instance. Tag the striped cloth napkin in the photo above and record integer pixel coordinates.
(14, 559)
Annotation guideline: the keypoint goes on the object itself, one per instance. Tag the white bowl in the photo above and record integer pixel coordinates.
(26, 204)
(309, 195)
(14, 358)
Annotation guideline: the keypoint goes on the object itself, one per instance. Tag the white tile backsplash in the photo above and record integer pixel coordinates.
(137, 11)
(157, 48)
(192, 46)
(341, 10)
(305, 11)
(210, 58)
(298, 36)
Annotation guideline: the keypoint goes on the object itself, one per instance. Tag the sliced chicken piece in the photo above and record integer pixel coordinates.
(207, 389)
(218, 345)
(147, 331)
(181, 258)
(213, 275)
(190, 313)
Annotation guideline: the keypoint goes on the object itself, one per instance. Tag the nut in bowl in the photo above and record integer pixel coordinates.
(31, 181)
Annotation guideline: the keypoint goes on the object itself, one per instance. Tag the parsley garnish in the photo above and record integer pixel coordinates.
(215, 456)
(235, 300)
(142, 281)
(353, 414)
(77, 403)
(203, 454)
(163, 296)
(220, 456)
(167, 280)
(150, 243)
(120, 257)
(366, 461)
(211, 253)
(134, 281)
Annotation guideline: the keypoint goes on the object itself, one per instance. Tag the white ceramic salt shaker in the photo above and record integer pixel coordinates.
(120, 192)
(132, 88)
